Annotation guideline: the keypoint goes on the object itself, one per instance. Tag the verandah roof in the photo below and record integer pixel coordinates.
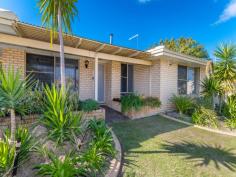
(43, 34)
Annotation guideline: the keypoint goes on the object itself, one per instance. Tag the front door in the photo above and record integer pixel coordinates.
(101, 83)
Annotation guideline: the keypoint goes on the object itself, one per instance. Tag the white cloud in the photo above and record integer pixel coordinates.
(144, 1)
(228, 13)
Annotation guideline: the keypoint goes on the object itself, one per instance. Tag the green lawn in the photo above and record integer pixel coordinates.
(155, 146)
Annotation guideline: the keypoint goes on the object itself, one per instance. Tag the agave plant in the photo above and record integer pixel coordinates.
(58, 117)
(13, 90)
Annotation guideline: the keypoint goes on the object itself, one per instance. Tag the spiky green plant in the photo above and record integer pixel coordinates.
(13, 89)
(57, 16)
(182, 103)
(211, 87)
(225, 67)
(7, 157)
(58, 117)
(205, 117)
(26, 144)
(59, 166)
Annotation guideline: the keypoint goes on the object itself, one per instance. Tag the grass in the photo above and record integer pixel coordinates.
(155, 146)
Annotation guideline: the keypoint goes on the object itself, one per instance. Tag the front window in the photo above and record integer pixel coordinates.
(40, 68)
(46, 69)
(186, 80)
(71, 72)
(126, 78)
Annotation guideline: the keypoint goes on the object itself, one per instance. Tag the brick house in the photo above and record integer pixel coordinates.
(99, 70)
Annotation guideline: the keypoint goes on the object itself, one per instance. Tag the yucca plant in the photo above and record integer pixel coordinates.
(182, 103)
(13, 90)
(230, 107)
(7, 157)
(211, 87)
(58, 117)
(59, 166)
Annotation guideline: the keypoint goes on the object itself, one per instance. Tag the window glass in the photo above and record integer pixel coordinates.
(126, 78)
(124, 70)
(130, 78)
(191, 88)
(182, 72)
(40, 67)
(71, 72)
(182, 87)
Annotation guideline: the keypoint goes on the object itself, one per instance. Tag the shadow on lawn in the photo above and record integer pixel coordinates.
(201, 154)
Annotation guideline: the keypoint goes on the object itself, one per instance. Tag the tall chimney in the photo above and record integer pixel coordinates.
(111, 38)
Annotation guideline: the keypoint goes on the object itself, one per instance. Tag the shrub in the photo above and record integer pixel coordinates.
(205, 117)
(153, 102)
(231, 123)
(131, 101)
(59, 166)
(229, 108)
(89, 105)
(58, 117)
(33, 101)
(102, 137)
(24, 137)
(7, 157)
(182, 103)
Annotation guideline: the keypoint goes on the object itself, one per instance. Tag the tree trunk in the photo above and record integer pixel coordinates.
(62, 59)
(13, 125)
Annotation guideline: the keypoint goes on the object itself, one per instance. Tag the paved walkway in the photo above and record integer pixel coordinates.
(113, 115)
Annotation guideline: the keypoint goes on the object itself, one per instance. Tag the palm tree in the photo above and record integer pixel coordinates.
(225, 68)
(13, 90)
(57, 16)
(211, 88)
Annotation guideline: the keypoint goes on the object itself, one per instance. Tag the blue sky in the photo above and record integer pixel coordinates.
(208, 21)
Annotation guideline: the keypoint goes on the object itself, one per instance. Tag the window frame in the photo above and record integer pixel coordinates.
(127, 79)
(187, 80)
(54, 58)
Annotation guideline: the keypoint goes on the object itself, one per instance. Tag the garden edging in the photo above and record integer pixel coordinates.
(200, 127)
(115, 164)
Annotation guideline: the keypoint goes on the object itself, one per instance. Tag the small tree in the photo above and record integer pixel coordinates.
(12, 93)
(186, 46)
(225, 67)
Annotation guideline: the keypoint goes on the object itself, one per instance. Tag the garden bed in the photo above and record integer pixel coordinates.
(145, 111)
(30, 119)
(222, 127)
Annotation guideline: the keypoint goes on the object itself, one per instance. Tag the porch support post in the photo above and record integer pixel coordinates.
(96, 78)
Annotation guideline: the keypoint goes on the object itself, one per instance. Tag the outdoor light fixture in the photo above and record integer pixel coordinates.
(86, 63)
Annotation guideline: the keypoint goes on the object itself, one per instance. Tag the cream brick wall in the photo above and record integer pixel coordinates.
(87, 84)
(142, 79)
(112, 83)
(13, 57)
(168, 82)
(155, 79)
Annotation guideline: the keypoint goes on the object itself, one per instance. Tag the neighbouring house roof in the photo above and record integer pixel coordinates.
(163, 52)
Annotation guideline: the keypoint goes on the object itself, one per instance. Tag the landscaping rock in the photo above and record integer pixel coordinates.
(27, 169)
(39, 131)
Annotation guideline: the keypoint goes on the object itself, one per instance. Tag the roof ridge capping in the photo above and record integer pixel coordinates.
(162, 50)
